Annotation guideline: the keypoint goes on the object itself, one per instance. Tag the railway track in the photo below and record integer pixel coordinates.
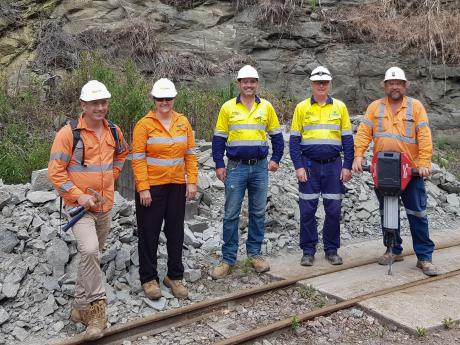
(176, 318)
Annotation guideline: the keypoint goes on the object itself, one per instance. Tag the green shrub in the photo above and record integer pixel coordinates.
(22, 152)
(202, 107)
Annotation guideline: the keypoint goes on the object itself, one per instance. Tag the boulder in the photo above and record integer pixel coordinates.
(41, 197)
(40, 181)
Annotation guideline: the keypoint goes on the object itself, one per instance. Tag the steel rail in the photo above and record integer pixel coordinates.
(173, 317)
(279, 325)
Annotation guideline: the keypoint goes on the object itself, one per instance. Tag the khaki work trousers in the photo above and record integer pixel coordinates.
(90, 232)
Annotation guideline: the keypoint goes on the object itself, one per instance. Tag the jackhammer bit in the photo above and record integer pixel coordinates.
(389, 239)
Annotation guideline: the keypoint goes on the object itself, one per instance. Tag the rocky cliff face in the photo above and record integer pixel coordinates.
(215, 32)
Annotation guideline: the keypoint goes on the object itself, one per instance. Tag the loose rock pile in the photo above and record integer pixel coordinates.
(38, 262)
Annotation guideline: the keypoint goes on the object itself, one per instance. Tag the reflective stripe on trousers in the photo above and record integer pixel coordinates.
(322, 179)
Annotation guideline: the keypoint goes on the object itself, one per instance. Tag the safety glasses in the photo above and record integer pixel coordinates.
(167, 99)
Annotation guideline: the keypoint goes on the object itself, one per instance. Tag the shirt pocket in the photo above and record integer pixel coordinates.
(236, 117)
(261, 117)
(334, 118)
(311, 118)
(409, 130)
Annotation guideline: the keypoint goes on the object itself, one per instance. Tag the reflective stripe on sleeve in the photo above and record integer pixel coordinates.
(396, 137)
(191, 151)
(246, 143)
(221, 134)
(274, 131)
(421, 124)
(164, 162)
(59, 156)
(295, 133)
(66, 186)
(347, 132)
(138, 156)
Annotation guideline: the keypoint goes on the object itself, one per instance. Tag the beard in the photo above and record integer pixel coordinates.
(395, 95)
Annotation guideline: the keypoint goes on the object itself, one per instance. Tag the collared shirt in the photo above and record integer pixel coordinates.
(407, 130)
(321, 132)
(162, 156)
(242, 133)
(329, 100)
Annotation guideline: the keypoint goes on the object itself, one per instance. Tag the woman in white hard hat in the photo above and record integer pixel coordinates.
(165, 171)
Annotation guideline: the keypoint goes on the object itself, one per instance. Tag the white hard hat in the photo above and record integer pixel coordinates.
(247, 72)
(395, 73)
(94, 90)
(164, 88)
(320, 73)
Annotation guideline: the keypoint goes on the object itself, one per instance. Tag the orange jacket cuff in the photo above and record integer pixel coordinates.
(143, 186)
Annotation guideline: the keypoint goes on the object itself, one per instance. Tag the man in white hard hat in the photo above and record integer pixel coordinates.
(89, 154)
(241, 132)
(320, 132)
(398, 123)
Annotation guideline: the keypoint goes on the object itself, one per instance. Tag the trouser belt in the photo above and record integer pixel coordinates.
(248, 161)
(324, 161)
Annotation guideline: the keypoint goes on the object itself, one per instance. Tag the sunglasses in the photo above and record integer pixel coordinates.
(167, 99)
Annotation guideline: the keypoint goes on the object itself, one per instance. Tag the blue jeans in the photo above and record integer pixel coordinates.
(414, 200)
(240, 177)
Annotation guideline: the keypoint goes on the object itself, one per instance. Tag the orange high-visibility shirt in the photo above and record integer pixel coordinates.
(161, 156)
(405, 131)
(102, 164)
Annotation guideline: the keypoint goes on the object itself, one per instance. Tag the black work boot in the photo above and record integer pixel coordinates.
(307, 260)
(334, 259)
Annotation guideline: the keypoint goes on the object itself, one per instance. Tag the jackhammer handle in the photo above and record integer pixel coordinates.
(414, 171)
(75, 219)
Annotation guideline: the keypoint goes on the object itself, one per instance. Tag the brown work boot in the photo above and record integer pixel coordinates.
(79, 315)
(97, 320)
(221, 271)
(260, 264)
(152, 289)
(385, 258)
(427, 267)
(177, 287)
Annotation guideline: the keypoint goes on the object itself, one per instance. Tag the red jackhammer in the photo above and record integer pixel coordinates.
(391, 172)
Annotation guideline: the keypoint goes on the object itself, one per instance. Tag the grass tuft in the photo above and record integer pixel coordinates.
(312, 295)
(431, 28)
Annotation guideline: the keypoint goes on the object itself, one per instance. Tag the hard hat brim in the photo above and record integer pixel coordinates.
(394, 78)
(98, 96)
(166, 94)
(323, 77)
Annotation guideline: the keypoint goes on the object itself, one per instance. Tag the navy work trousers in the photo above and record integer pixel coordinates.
(322, 179)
